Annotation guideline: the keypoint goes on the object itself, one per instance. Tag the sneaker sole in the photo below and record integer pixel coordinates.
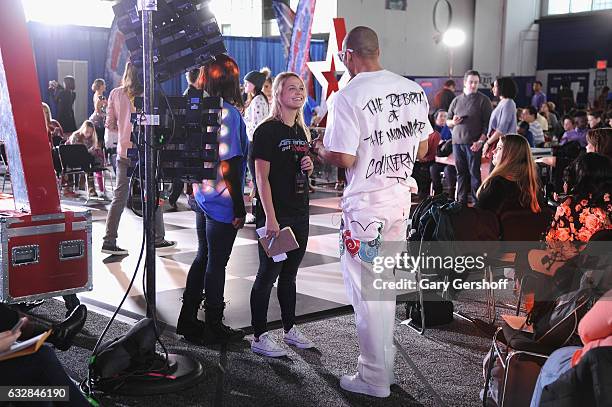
(165, 248)
(369, 391)
(262, 352)
(298, 344)
(120, 253)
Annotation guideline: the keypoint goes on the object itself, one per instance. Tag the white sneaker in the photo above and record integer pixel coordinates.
(296, 338)
(355, 384)
(267, 346)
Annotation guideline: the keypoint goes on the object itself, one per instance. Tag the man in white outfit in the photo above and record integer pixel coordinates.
(377, 127)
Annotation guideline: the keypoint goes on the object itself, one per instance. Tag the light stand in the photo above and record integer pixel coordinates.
(180, 371)
(452, 38)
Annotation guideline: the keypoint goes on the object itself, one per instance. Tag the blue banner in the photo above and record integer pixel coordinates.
(300, 38)
(284, 18)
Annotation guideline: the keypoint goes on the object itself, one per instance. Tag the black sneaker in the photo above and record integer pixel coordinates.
(165, 244)
(113, 249)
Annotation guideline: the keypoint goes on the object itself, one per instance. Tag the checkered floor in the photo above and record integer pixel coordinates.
(319, 280)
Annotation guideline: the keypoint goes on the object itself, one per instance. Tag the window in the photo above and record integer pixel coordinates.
(577, 6)
(602, 4)
(226, 29)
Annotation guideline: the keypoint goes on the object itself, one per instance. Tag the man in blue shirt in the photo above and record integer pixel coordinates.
(539, 97)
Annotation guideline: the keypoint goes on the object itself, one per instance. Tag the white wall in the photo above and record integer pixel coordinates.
(488, 28)
(520, 39)
(406, 37)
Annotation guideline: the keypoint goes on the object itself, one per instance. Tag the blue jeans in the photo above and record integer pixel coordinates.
(558, 363)
(285, 271)
(207, 272)
(467, 163)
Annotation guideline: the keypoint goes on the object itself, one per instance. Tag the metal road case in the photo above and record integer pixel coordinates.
(44, 256)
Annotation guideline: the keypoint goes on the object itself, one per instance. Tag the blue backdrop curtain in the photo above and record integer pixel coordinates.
(52, 42)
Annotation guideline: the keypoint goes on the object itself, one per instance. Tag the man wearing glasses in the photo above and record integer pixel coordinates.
(377, 127)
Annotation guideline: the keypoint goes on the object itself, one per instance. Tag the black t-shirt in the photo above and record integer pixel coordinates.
(283, 147)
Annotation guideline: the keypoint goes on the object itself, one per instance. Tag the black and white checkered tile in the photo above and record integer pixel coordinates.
(319, 280)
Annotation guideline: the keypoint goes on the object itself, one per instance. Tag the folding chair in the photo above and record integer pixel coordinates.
(76, 160)
(524, 356)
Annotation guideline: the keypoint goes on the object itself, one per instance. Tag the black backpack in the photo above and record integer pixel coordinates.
(423, 225)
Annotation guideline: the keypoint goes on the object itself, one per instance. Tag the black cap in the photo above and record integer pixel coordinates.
(256, 78)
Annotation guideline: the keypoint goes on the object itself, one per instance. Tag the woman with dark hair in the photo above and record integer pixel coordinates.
(600, 141)
(514, 183)
(595, 119)
(258, 108)
(586, 210)
(282, 167)
(256, 111)
(220, 212)
(547, 111)
(118, 118)
(503, 118)
(64, 97)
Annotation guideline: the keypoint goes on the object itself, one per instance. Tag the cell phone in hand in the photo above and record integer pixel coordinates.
(18, 325)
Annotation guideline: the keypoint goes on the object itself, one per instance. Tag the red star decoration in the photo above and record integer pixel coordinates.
(332, 81)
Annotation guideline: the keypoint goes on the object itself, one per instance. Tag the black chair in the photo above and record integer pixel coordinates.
(517, 226)
(76, 160)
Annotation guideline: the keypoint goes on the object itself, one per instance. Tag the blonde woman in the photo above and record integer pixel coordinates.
(98, 117)
(282, 167)
(54, 128)
(118, 112)
(86, 135)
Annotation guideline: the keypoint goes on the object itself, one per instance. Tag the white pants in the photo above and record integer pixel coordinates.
(374, 317)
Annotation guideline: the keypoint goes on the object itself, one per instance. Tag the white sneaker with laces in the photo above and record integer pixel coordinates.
(355, 384)
(296, 338)
(267, 346)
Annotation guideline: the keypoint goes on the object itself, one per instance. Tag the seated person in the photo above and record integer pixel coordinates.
(579, 132)
(37, 369)
(41, 368)
(595, 330)
(54, 128)
(595, 119)
(547, 111)
(600, 141)
(586, 210)
(421, 169)
(450, 173)
(513, 184)
(529, 114)
(87, 136)
(568, 123)
(62, 333)
(523, 130)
